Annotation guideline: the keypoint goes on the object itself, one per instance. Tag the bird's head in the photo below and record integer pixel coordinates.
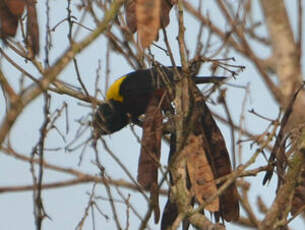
(109, 118)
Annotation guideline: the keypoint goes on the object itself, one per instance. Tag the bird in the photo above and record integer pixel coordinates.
(128, 97)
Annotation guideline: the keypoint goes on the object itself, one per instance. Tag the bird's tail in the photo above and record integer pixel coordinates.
(208, 79)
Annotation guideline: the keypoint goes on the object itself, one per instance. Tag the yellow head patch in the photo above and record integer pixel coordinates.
(114, 90)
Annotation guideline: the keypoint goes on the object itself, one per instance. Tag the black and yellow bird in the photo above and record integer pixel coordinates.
(128, 97)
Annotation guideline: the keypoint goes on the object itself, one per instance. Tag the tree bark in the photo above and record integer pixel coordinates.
(285, 57)
(286, 60)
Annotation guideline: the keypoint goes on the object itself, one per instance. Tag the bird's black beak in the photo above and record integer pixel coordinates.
(109, 118)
